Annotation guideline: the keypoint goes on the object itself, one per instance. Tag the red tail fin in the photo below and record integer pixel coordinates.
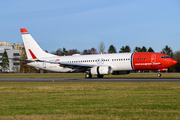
(23, 30)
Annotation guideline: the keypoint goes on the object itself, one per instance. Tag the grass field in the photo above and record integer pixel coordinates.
(81, 75)
(90, 100)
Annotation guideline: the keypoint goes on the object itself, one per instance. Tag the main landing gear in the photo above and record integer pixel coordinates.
(100, 76)
(88, 75)
(159, 74)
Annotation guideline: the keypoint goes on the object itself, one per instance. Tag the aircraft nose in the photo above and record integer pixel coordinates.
(172, 62)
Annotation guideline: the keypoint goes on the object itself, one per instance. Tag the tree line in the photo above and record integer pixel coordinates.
(111, 49)
(101, 50)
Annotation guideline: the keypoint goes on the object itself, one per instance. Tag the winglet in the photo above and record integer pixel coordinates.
(23, 30)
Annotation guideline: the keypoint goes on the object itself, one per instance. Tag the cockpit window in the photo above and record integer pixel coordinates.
(164, 57)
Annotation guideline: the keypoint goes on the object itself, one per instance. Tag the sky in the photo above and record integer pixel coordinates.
(83, 24)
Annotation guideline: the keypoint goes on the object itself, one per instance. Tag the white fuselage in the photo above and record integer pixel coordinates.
(118, 62)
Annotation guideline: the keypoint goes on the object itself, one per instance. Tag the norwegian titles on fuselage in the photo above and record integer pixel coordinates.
(97, 64)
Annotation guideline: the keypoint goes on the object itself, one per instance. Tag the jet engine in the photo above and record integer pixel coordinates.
(101, 70)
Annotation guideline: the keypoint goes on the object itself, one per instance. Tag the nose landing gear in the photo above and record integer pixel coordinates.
(159, 74)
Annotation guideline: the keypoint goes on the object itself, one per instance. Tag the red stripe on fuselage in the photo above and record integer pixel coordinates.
(33, 56)
(150, 61)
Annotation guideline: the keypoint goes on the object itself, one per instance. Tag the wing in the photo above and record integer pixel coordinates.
(78, 67)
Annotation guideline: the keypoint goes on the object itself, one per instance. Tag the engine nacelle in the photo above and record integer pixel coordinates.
(120, 72)
(101, 70)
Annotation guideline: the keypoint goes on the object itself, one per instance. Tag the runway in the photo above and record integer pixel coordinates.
(90, 80)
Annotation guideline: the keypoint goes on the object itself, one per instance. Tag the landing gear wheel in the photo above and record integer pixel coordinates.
(159, 74)
(88, 75)
(100, 76)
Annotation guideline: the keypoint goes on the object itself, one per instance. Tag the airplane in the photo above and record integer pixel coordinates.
(95, 64)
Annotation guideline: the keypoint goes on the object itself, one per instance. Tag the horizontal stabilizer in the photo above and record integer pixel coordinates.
(26, 60)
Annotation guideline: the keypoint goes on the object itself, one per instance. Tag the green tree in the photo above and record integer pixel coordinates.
(89, 51)
(112, 49)
(137, 49)
(143, 49)
(5, 62)
(150, 49)
(168, 51)
(58, 52)
(65, 52)
(73, 51)
(125, 49)
(93, 50)
(85, 52)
